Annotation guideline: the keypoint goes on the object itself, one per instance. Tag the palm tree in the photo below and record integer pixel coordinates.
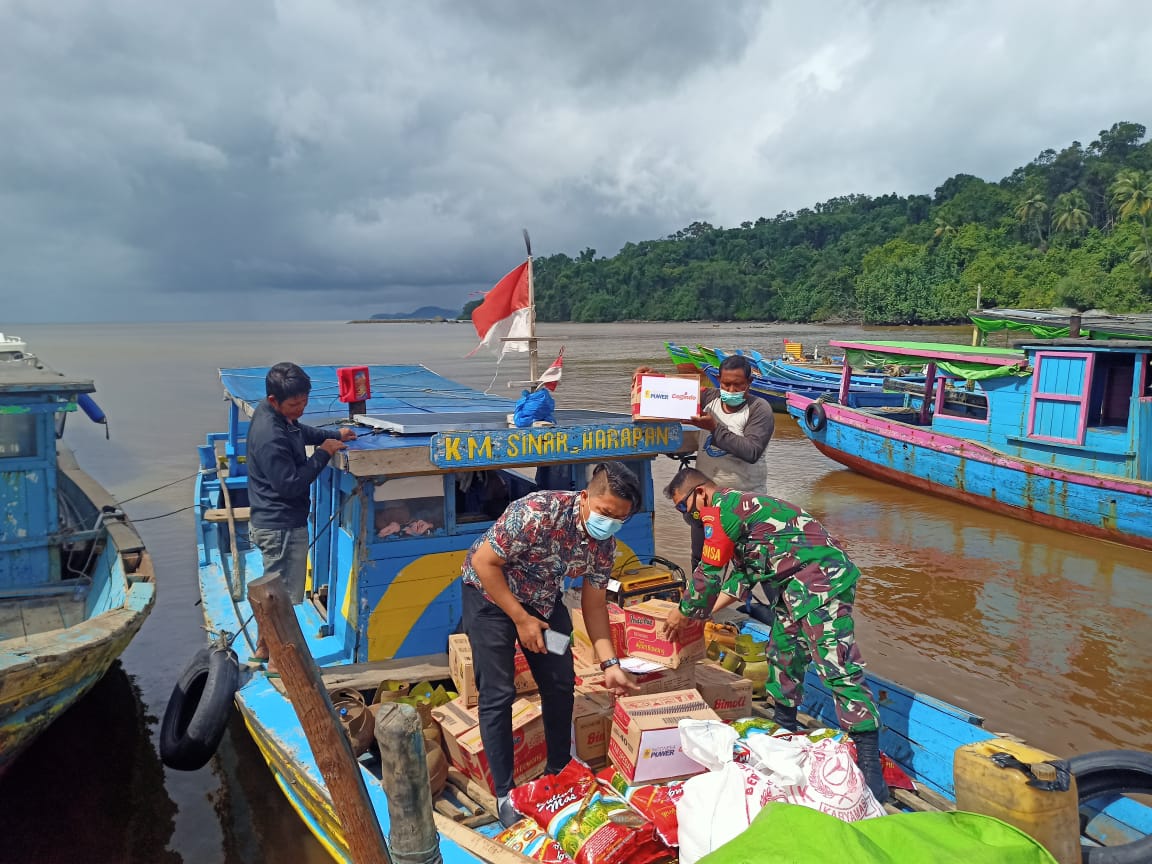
(1033, 210)
(1071, 213)
(1132, 196)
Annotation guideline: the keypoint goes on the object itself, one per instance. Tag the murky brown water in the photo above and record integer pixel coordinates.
(1044, 634)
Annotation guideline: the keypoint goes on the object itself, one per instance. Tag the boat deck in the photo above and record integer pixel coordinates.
(23, 617)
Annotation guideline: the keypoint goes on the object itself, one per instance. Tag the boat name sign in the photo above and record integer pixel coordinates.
(550, 444)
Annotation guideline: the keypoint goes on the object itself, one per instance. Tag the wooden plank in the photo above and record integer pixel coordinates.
(41, 616)
(472, 789)
(240, 514)
(482, 847)
(72, 611)
(362, 676)
(330, 746)
(11, 621)
(913, 801)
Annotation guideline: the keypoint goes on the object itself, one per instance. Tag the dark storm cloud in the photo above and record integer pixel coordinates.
(158, 158)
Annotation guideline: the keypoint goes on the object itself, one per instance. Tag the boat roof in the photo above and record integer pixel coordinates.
(1055, 323)
(1086, 344)
(932, 351)
(422, 422)
(24, 378)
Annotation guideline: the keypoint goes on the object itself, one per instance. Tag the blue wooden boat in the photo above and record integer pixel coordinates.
(1058, 433)
(378, 606)
(75, 580)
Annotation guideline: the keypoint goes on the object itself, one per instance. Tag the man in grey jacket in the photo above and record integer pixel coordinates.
(739, 427)
(280, 476)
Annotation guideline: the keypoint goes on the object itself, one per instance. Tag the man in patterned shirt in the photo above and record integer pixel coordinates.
(812, 585)
(513, 578)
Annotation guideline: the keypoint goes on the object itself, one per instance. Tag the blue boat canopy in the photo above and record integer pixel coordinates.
(419, 422)
(960, 361)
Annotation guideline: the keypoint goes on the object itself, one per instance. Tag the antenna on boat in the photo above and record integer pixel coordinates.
(533, 345)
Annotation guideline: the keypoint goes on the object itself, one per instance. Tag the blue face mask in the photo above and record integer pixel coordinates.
(732, 400)
(600, 526)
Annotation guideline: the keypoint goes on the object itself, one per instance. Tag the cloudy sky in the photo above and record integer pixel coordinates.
(335, 158)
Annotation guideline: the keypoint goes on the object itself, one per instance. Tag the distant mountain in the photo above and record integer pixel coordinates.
(424, 312)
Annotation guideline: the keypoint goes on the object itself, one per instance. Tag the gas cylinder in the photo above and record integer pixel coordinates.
(755, 662)
(1022, 786)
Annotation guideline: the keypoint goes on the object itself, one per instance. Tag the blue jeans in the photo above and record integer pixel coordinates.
(285, 552)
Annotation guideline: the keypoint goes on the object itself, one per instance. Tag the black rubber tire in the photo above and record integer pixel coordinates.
(1115, 772)
(198, 709)
(815, 417)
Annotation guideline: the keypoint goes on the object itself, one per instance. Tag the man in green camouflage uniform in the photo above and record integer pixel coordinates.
(812, 585)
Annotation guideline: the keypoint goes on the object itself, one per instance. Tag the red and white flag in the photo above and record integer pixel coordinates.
(551, 376)
(505, 313)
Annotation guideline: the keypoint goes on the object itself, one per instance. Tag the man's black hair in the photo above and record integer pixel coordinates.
(618, 479)
(686, 478)
(737, 361)
(286, 380)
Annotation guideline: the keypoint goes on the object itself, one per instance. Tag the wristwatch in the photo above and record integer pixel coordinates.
(609, 663)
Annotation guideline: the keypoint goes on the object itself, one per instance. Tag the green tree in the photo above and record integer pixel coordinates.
(1070, 215)
(1031, 211)
(1132, 196)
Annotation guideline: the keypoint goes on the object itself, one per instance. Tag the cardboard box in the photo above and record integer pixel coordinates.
(726, 693)
(464, 676)
(582, 643)
(665, 397)
(591, 726)
(465, 750)
(642, 625)
(666, 680)
(645, 742)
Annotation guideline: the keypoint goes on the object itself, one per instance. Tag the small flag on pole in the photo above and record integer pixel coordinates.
(551, 376)
(505, 313)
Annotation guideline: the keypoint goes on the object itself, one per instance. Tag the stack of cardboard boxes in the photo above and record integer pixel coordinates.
(638, 734)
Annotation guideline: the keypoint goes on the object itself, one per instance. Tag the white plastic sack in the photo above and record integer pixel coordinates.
(715, 807)
(817, 774)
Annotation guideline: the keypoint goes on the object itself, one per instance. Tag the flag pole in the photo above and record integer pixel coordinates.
(533, 348)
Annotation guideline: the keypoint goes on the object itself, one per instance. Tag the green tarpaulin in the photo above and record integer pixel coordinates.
(790, 834)
(896, 353)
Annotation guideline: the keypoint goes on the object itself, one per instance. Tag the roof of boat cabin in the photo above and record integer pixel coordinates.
(939, 351)
(1087, 344)
(418, 403)
(20, 377)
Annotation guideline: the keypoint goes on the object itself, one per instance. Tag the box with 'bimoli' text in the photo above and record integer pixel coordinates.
(726, 693)
(645, 743)
(642, 628)
(591, 725)
(463, 673)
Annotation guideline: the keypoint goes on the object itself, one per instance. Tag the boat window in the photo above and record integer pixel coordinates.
(1111, 397)
(406, 507)
(481, 496)
(1060, 396)
(18, 436)
(958, 401)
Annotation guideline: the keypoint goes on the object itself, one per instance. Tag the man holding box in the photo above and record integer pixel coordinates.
(739, 427)
(513, 579)
(812, 585)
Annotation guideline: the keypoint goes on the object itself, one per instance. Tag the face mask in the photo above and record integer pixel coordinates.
(600, 526)
(732, 400)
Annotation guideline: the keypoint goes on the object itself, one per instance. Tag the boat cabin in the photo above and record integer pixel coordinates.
(434, 465)
(1082, 404)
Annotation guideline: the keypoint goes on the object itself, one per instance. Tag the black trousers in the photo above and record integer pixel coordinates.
(493, 638)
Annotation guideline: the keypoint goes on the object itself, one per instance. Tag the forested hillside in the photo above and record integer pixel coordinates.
(1071, 228)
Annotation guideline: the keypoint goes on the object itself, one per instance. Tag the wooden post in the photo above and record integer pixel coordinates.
(975, 329)
(845, 381)
(929, 393)
(404, 775)
(1074, 326)
(288, 650)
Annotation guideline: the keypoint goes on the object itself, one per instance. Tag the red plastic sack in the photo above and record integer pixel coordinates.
(592, 824)
(656, 802)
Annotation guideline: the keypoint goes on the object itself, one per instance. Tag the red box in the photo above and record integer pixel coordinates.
(643, 623)
(355, 383)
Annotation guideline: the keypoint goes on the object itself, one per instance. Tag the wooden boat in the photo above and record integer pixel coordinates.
(383, 608)
(1057, 433)
(75, 580)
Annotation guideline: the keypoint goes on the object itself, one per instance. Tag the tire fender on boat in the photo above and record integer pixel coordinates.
(1114, 772)
(815, 417)
(198, 709)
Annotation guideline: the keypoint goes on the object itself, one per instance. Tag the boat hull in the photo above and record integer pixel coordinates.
(946, 466)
